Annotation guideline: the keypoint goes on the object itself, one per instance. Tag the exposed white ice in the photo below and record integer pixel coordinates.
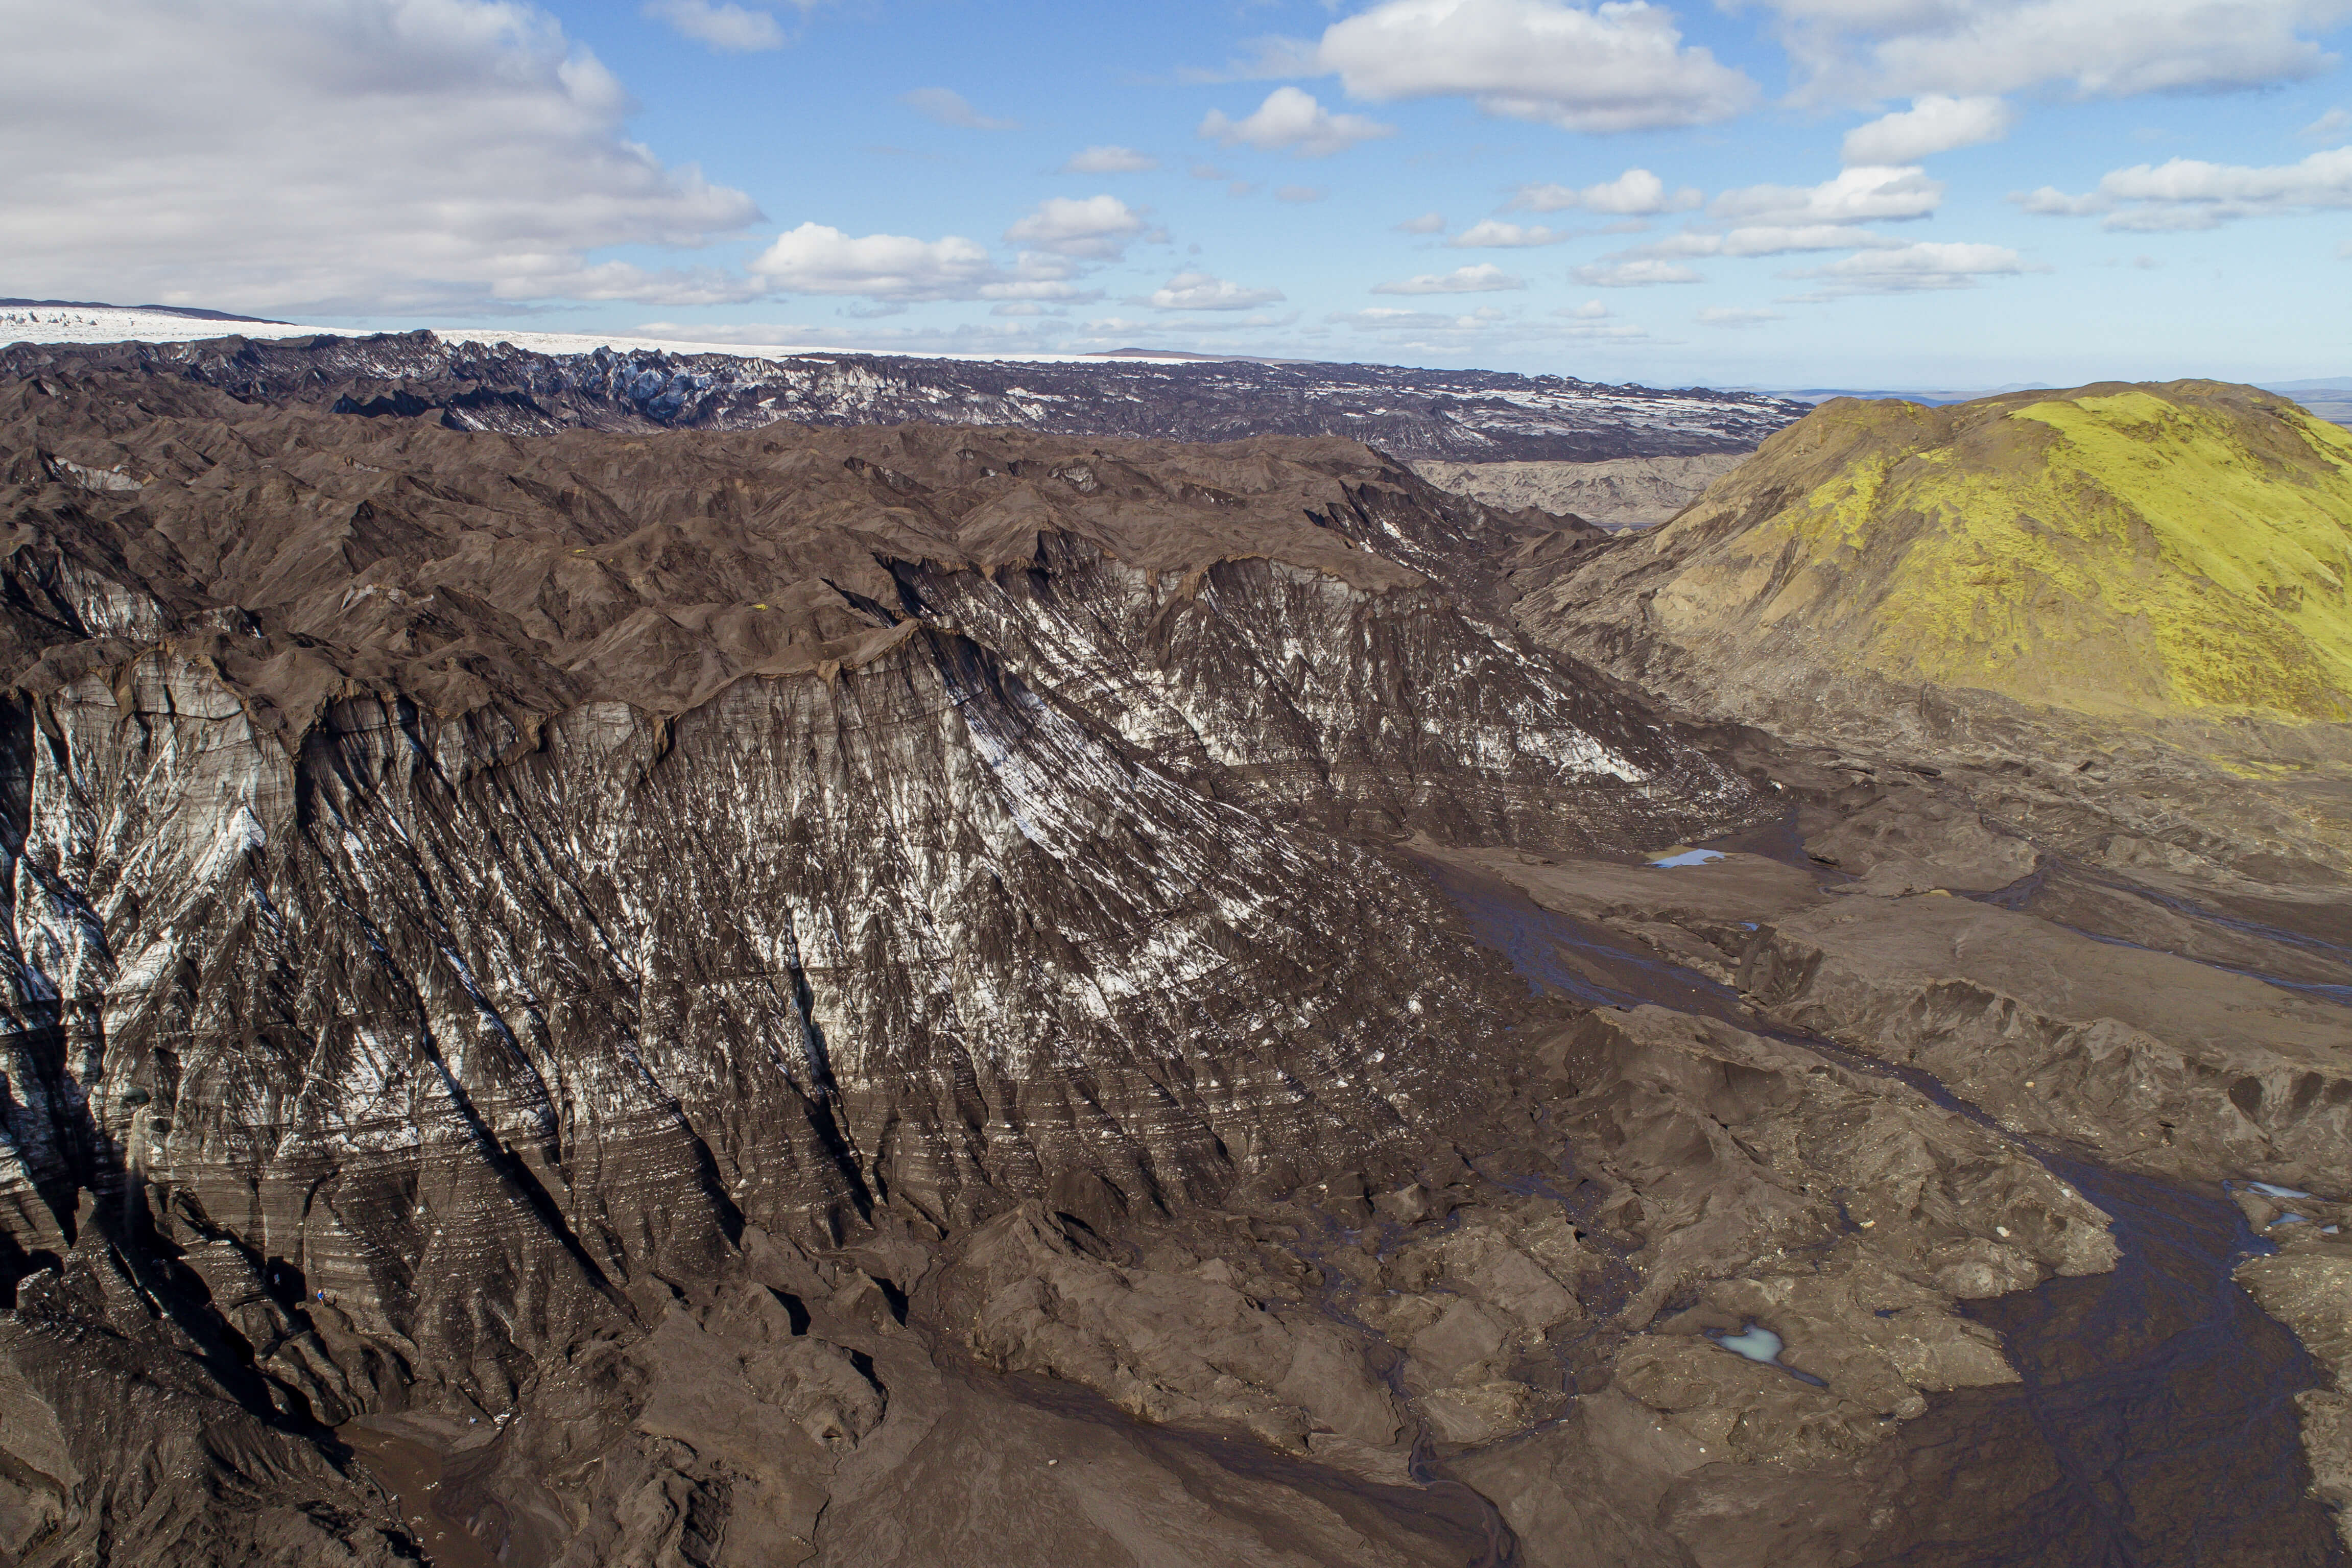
(1754, 1342)
(113, 324)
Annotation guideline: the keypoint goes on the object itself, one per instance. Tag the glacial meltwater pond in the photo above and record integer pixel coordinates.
(2154, 1425)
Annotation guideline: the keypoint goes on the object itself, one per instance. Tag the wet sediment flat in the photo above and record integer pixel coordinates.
(2155, 1422)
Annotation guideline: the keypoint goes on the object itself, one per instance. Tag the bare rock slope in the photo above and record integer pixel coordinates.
(930, 995)
(1614, 492)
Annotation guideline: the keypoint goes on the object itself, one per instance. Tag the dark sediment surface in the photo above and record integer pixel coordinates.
(2156, 1423)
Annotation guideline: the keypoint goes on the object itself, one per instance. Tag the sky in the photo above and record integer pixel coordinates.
(1910, 194)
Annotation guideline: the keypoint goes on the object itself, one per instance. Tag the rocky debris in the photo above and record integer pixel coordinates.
(1198, 1345)
(1615, 493)
(1461, 416)
(2308, 1287)
(1914, 842)
(461, 886)
(2159, 1063)
(647, 999)
(1700, 916)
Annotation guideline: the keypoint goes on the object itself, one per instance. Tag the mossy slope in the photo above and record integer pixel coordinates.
(2176, 550)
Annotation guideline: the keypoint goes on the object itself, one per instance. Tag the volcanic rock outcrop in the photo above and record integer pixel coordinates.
(1614, 492)
(925, 995)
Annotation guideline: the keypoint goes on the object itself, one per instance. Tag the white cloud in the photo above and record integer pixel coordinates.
(729, 28)
(1427, 223)
(235, 156)
(1482, 278)
(2334, 122)
(1633, 274)
(764, 334)
(1485, 330)
(1493, 233)
(1094, 228)
(1110, 161)
(1291, 120)
(1921, 268)
(1636, 193)
(1301, 194)
(1388, 318)
(2190, 194)
(2101, 48)
(2051, 201)
(1764, 240)
(1621, 66)
(1200, 291)
(950, 108)
(817, 259)
(1594, 319)
(1932, 124)
(898, 270)
(965, 338)
(1864, 194)
(1733, 316)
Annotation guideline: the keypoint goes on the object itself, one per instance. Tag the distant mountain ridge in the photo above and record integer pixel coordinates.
(1455, 416)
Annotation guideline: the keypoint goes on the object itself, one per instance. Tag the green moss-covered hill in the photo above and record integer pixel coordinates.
(2173, 550)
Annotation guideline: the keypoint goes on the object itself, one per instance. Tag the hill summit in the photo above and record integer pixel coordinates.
(2162, 551)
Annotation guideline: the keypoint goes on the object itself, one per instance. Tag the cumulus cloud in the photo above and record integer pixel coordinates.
(950, 108)
(978, 339)
(1427, 223)
(1487, 329)
(1620, 66)
(1763, 239)
(1867, 194)
(2190, 194)
(1094, 228)
(1935, 123)
(1291, 120)
(1110, 161)
(816, 259)
(1734, 316)
(2100, 48)
(234, 155)
(1636, 193)
(1481, 279)
(1594, 319)
(1388, 318)
(731, 29)
(1633, 274)
(1921, 268)
(1493, 233)
(1200, 291)
(900, 270)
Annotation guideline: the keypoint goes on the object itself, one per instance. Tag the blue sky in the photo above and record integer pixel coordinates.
(1898, 193)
